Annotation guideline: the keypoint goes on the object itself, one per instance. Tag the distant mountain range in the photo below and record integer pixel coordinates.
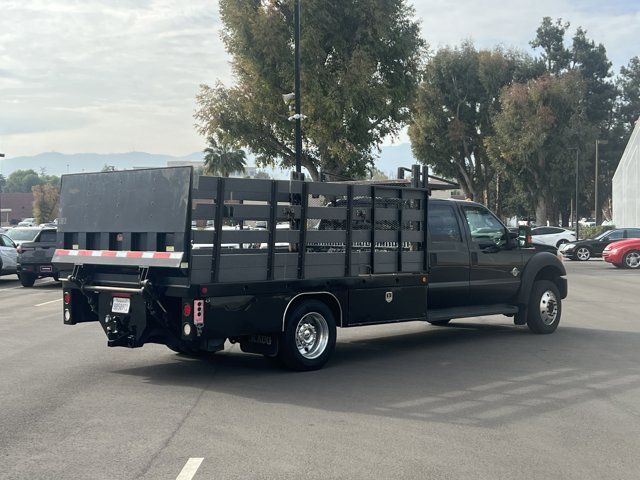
(55, 163)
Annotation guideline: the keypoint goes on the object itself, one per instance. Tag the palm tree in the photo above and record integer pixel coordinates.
(222, 159)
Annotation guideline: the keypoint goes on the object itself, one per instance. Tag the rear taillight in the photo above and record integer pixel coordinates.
(186, 310)
(66, 298)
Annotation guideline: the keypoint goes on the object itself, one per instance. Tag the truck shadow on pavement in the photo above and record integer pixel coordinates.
(482, 375)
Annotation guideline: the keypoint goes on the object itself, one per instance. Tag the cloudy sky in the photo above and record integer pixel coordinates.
(111, 76)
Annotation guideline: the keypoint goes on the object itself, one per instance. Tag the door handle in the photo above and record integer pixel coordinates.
(474, 258)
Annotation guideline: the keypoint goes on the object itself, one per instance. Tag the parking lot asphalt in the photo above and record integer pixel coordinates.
(481, 399)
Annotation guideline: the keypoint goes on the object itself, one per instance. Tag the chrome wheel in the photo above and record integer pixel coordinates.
(312, 335)
(632, 259)
(583, 253)
(548, 307)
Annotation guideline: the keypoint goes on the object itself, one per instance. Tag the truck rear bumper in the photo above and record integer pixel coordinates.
(38, 269)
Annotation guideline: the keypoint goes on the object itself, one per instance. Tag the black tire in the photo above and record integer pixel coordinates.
(440, 323)
(544, 296)
(27, 279)
(587, 254)
(561, 242)
(631, 259)
(321, 333)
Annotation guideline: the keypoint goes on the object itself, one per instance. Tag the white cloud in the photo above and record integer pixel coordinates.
(115, 75)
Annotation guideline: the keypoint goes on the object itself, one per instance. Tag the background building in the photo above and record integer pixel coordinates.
(15, 207)
(626, 184)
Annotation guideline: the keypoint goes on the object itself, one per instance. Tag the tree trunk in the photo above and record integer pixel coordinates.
(555, 213)
(541, 210)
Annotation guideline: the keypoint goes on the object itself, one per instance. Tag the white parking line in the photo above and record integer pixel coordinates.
(47, 303)
(190, 469)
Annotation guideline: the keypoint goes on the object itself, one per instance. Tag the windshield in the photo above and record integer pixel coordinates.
(602, 235)
(19, 235)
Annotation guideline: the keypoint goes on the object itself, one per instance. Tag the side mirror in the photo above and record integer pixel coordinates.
(524, 236)
(486, 244)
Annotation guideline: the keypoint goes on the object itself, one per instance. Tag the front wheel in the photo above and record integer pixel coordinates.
(561, 242)
(27, 280)
(545, 307)
(309, 337)
(631, 259)
(583, 254)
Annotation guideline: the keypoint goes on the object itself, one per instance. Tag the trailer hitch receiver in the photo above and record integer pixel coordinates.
(119, 332)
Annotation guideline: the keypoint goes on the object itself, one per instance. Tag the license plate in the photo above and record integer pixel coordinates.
(46, 269)
(120, 305)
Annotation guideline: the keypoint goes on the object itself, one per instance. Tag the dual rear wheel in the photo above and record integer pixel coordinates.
(309, 336)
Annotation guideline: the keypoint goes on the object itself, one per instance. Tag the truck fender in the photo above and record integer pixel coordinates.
(327, 297)
(542, 266)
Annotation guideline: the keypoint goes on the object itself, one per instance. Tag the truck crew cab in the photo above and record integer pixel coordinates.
(163, 256)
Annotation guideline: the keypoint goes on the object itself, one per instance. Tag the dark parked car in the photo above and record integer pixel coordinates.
(34, 258)
(585, 249)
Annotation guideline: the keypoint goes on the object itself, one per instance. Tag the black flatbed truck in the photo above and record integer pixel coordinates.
(163, 256)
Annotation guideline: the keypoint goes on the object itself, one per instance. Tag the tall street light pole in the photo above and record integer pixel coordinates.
(597, 209)
(576, 224)
(577, 177)
(298, 114)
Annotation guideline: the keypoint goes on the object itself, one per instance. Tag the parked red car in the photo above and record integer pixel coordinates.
(624, 253)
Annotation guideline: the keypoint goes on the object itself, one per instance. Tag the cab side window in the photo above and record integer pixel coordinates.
(443, 225)
(484, 226)
(615, 235)
(633, 233)
(6, 241)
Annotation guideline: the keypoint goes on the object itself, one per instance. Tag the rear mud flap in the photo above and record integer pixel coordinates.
(260, 344)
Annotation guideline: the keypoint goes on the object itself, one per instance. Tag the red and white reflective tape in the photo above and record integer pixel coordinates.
(114, 257)
(118, 254)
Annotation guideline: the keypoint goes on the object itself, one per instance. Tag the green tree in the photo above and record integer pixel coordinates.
(550, 38)
(588, 59)
(3, 182)
(108, 168)
(600, 92)
(629, 85)
(222, 159)
(360, 65)
(22, 181)
(452, 113)
(539, 122)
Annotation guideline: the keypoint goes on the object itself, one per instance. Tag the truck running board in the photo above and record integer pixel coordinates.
(473, 311)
